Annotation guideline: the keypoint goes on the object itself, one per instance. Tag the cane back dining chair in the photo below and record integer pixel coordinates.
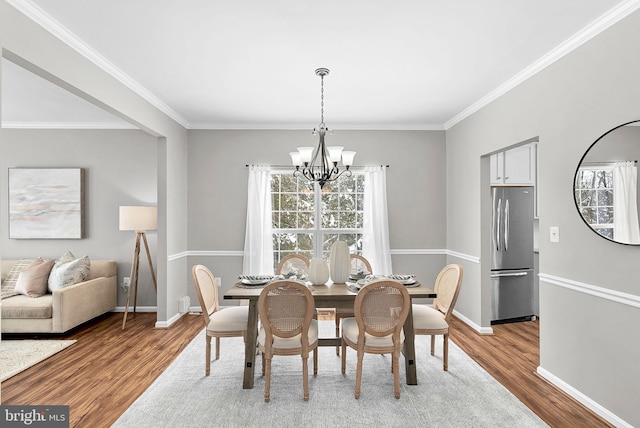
(359, 266)
(228, 322)
(298, 264)
(293, 264)
(381, 308)
(286, 311)
(434, 320)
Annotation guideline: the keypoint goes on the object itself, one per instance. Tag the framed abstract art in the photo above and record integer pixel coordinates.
(46, 203)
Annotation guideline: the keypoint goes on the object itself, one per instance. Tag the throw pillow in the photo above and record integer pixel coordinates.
(9, 284)
(68, 270)
(33, 280)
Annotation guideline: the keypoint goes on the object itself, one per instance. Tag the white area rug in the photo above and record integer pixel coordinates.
(465, 396)
(19, 355)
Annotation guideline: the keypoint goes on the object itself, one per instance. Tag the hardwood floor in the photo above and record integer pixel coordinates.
(101, 375)
(511, 355)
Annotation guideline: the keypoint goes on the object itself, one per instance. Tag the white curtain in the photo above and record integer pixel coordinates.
(375, 246)
(625, 206)
(258, 240)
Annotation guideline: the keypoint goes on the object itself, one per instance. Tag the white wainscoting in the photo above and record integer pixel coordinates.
(593, 290)
(401, 252)
(602, 293)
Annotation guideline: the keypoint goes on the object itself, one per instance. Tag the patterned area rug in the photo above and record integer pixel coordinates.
(19, 355)
(465, 396)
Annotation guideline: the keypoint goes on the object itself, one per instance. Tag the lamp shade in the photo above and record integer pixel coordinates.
(138, 218)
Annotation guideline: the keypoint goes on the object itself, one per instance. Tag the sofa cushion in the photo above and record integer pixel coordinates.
(68, 270)
(33, 280)
(20, 307)
(9, 283)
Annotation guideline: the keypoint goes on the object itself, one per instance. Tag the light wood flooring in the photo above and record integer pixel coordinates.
(101, 375)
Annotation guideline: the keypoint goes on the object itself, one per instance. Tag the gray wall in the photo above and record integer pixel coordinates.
(589, 291)
(34, 48)
(120, 168)
(218, 192)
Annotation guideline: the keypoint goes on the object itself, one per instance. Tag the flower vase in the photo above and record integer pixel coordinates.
(318, 271)
(339, 262)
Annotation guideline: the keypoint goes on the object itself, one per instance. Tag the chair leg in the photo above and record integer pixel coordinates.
(344, 357)
(207, 369)
(305, 378)
(433, 342)
(263, 363)
(445, 347)
(395, 356)
(337, 317)
(359, 373)
(315, 361)
(217, 348)
(267, 379)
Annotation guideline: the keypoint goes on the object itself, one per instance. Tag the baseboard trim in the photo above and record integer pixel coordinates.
(583, 399)
(170, 321)
(138, 309)
(476, 327)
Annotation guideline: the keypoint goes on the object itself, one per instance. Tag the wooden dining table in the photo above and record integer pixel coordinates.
(325, 296)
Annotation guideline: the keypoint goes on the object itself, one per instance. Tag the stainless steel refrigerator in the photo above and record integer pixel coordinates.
(512, 279)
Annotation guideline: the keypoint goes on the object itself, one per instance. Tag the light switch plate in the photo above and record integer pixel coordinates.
(554, 234)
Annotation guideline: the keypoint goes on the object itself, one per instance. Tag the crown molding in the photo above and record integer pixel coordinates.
(596, 27)
(41, 18)
(67, 125)
(231, 126)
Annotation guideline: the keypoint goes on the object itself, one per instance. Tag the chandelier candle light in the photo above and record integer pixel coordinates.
(321, 166)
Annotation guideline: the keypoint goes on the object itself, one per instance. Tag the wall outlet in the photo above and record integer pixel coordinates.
(125, 283)
(218, 281)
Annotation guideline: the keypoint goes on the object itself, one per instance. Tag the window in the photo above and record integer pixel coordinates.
(308, 220)
(594, 196)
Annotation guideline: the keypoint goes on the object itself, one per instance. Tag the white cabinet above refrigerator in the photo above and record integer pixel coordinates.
(514, 167)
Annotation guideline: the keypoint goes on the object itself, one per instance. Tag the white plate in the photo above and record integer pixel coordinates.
(254, 281)
(402, 277)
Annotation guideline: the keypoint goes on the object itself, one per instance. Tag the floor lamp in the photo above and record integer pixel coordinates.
(139, 219)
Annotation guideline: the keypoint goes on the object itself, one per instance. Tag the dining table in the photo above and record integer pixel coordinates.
(330, 295)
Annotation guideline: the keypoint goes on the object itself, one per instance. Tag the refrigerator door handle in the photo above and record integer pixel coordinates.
(506, 225)
(500, 275)
(498, 217)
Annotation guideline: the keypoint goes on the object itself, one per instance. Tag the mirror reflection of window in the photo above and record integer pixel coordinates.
(606, 184)
(606, 196)
(594, 196)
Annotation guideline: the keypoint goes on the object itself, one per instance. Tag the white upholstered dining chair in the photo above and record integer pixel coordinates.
(434, 320)
(228, 322)
(381, 308)
(286, 310)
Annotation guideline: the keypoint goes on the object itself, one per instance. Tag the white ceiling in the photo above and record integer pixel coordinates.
(407, 64)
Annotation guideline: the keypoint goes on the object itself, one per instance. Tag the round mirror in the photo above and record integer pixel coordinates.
(606, 185)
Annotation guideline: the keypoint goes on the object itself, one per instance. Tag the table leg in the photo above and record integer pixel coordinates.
(410, 349)
(250, 345)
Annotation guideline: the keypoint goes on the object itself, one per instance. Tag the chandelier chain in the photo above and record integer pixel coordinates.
(322, 101)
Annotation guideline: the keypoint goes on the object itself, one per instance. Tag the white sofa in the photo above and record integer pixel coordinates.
(64, 309)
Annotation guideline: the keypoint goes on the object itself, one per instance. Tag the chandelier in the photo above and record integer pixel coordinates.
(321, 165)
